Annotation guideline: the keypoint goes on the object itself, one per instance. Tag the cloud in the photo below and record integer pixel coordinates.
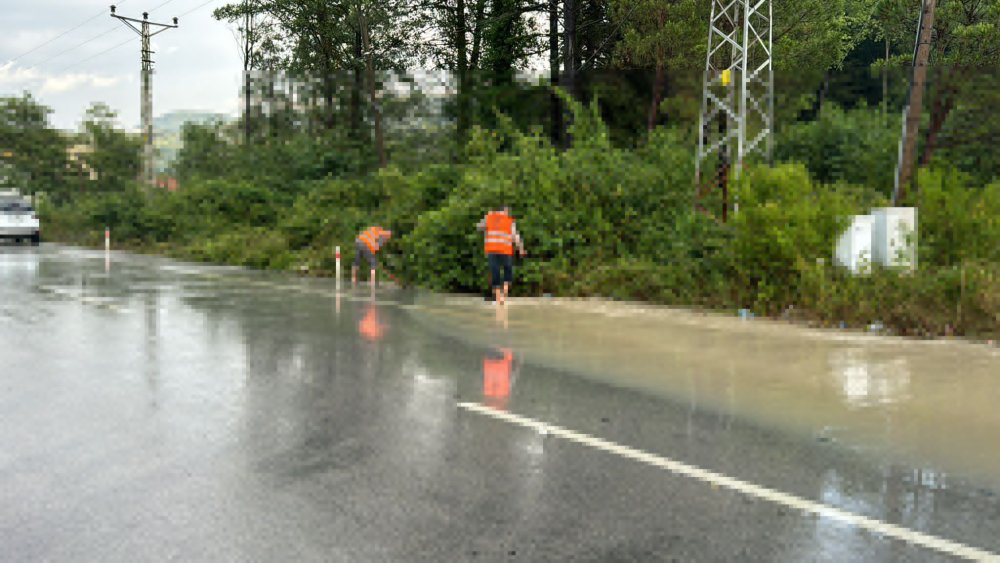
(73, 81)
(13, 76)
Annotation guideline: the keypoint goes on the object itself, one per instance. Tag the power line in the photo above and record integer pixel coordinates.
(199, 6)
(78, 63)
(74, 28)
(98, 36)
(160, 6)
(123, 43)
(75, 47)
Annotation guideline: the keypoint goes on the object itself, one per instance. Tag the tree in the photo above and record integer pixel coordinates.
(508, 39)
(32, 154)
(964, 55)
(663, 34)
(255, 35)
(204, 152)
(812, 38)
(363, 18)
(455, 24)
(116, 156)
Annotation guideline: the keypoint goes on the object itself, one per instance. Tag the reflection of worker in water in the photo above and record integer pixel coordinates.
(369, 327)
(498, 377)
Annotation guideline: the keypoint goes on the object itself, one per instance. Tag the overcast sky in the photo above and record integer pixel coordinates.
(197, 66)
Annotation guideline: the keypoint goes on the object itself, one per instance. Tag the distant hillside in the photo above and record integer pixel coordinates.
(173, 121)
(167, 132)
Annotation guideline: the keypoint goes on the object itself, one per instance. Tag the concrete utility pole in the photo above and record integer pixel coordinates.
(147, 85)
(738, 93)
(914, 106)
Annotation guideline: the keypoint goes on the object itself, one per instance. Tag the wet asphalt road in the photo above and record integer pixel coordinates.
(166, 411)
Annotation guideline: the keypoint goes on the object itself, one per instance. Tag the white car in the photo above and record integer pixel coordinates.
(18, 220)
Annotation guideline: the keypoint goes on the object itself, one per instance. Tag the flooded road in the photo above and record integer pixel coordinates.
(159, 410)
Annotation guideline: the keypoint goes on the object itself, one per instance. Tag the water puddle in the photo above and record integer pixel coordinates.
(927, 404)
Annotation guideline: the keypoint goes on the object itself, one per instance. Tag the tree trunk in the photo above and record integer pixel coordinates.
(659, 83)
(555, 111)
(329, 89)
(376, 107)
(943, 104)
(501, 35)
(246, 105)
(822, 93)
(357, 85)
(917, 88)
(885, 81)
(477, 34)
(248, 45)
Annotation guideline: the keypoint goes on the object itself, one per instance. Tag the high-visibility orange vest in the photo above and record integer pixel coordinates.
(499, 233)
(371, 238)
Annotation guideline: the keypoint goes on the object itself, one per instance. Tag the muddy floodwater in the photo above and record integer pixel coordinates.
(933, 404)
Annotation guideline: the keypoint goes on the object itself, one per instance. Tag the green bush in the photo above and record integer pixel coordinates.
(786, 224)
(858, 147)
(254, 247)
(957, 222)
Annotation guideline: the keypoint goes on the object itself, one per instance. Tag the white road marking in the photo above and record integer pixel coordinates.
(717, 479)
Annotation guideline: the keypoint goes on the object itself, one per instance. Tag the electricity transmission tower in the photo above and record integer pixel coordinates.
(147, 85)
(737, 108)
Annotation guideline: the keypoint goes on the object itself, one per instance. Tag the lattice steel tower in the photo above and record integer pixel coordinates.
(737, 110)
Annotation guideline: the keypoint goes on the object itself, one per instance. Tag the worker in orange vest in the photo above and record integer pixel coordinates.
(367, 246)
(501, 236)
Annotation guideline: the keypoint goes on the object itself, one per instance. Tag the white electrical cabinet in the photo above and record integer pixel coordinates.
(894, 237)
(854, 249)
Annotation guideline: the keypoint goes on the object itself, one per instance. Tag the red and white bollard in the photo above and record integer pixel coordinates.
(338, 267)
(107, 239)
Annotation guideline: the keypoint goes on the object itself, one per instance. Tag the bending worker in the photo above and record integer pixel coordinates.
(367, 246)
(501, 236)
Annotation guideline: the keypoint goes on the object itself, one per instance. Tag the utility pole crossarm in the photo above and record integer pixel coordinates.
(146, 61)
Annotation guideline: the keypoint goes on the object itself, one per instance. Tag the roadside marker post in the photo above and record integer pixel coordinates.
(107, 239)
(338, 266)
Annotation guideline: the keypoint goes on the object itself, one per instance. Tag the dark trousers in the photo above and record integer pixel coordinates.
(501, 269)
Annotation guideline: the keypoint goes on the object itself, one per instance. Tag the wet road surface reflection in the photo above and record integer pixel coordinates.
(155, 410)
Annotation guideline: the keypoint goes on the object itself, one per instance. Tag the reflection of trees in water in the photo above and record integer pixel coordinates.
(914, 498)
(313, 383)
